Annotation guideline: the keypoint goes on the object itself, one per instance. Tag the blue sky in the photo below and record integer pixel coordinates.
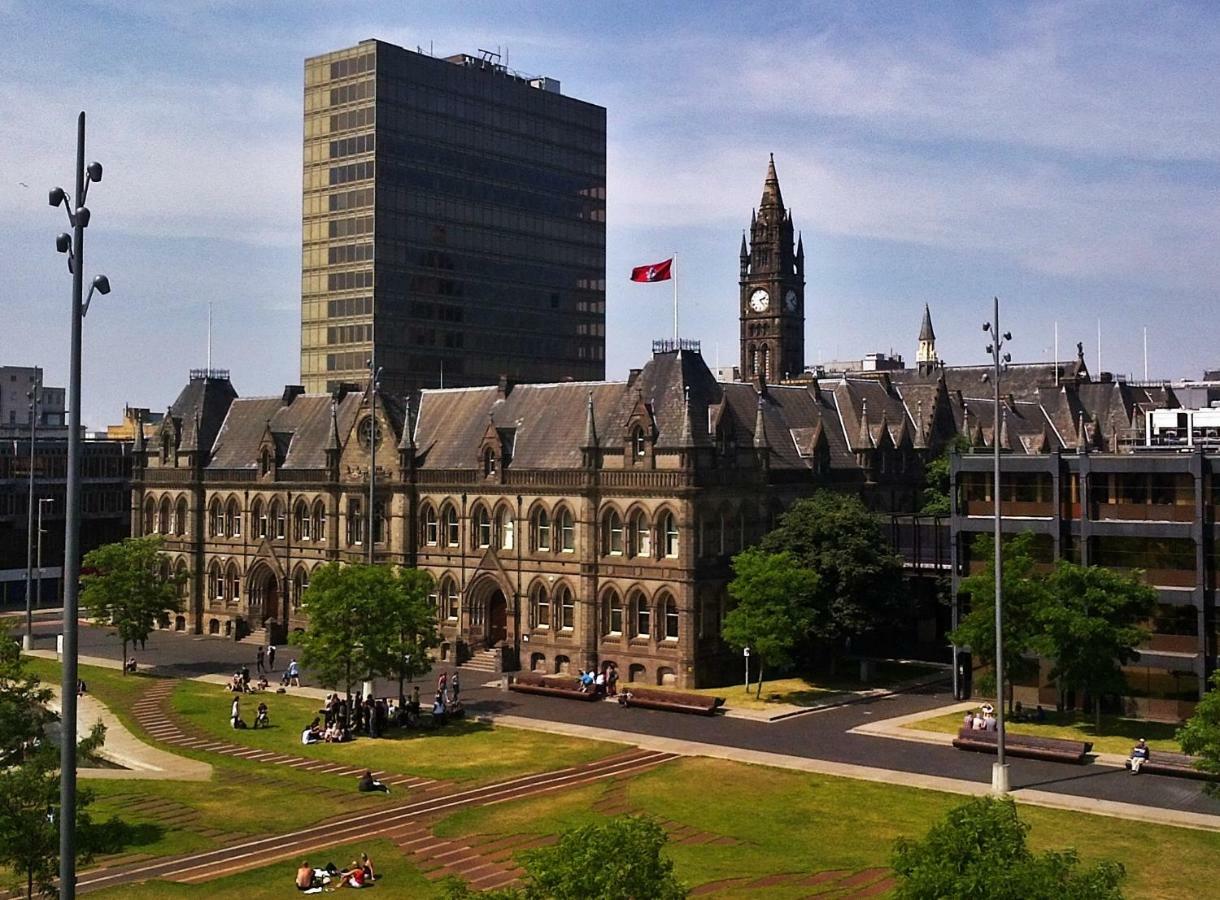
(1063, 156)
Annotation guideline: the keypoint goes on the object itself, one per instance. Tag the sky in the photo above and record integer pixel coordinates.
(1064, 157)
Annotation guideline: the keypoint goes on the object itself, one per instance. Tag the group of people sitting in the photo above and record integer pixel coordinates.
(603, 683)
(240, 682)
(261, 717)
(981, 719)
(314, 881)
(333, 732)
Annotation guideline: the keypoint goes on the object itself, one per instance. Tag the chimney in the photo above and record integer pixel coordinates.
(291, 392)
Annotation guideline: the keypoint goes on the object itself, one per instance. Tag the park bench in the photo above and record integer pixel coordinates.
(1163, 762)
(672, 701)
(550, 686)
(1024, 745)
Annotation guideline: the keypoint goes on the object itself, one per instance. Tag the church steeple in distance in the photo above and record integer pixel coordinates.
(925, 354)
(772, 310)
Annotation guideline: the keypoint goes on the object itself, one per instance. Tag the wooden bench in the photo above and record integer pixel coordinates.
(671, 701)
(551, 686)
(1163, 762)
(1024, 745)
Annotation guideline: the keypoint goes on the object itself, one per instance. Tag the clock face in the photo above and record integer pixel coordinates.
(760, 300)
(790, 300)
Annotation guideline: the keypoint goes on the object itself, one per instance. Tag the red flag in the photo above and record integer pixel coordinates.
(662, 271)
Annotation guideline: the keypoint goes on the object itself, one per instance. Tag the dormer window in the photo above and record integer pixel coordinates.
(265, 462)
(639, 444)
(489, 462)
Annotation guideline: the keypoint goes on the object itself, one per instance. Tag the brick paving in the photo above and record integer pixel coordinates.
(838, 883)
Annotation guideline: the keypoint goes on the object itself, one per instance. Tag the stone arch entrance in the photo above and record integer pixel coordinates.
(491, 618)
(262, 596)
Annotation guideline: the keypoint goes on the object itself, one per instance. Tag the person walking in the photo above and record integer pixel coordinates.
(294, 674)
(442, 684)
(455, 686)
(258, 660)
(271, 658)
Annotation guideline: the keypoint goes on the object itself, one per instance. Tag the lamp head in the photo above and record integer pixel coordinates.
(56, 197)
(990, 349)
(1008, 335)
(94, 171)
(63, 242)
(82, 216)
(987, 326)
(102, 284)
(1007, 357)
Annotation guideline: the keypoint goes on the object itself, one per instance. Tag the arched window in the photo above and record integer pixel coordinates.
(613, 613)
(234, 589)
(319, 521)
(216, 583)
(641, 535)
(379, 528)
(302, 525)
(639, 443)
(567, 608)
(300, 583)
(216, 519)
(182, 576)
(641, 616)
(150, 516)
(541, 528)
(355, 522)
(540, 608)
(431, 526)
(489, 462)
(481, 521)
(507, 527)
(259, 518)
(449, 599)
(279, 519)
(567, 530)
(670, 607)
(233, 519)
(612, 534)
(669, 528)
(453, 535)
(163, 518)
(180, 517)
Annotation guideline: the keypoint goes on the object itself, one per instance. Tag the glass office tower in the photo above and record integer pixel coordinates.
(455, 212)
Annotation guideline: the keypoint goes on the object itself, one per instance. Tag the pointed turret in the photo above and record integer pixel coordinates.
(407, 443)
(589, 445)
(925, 353)
(1005, 442)
(138, 445)
(864, 437)
(760, 427)
(332, 437)
(1082, 437)
(771, 197)
(925, 329)
(800, 254)
(745, 256)
(687, 437)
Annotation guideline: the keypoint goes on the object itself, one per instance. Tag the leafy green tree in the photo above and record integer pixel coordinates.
(23, 704)
(934, 499)
(1200, 735)
(619, 859)
(775, 599)
(364, 621)
(834, 536)
(129, 588)
(1025, 596)
(1090, 626)
(979, 852)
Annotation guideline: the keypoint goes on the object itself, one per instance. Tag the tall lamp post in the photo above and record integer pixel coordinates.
(42, 501)
(35, 395)
(374, 387)
(74, 246)
(1000, 360)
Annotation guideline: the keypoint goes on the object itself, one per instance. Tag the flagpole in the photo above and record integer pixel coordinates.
(675, 274)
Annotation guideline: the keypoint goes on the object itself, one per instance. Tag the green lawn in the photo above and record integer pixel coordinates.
(462, 751)
(795, 822)
(807, 690)
(395, 878)
(1116, 735)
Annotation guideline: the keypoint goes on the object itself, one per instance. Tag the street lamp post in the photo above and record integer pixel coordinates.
(35, 395)
(374, 387)
(42, 501)
(1000, 360)
(74, 246)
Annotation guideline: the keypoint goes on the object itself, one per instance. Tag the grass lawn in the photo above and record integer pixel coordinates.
(465, 751)
(807, 690)
(1116, 735)
(395, 878)
(795, 822)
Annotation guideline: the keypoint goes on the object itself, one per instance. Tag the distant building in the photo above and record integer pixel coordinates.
(126, 430)
(454, 213)
(18, 384)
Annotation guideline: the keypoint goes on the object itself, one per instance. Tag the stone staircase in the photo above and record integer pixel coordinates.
(484, 662)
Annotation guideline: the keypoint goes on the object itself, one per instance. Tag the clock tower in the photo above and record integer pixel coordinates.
(772, 307)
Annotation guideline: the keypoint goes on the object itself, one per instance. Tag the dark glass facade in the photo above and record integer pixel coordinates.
(455, 213)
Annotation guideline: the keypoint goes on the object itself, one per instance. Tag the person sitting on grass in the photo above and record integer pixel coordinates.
(353, 876)
(367, 865)
(305, 876)
(1139, 756)
(312, 733)
(335, 733)
(368, 784)
(262, 684)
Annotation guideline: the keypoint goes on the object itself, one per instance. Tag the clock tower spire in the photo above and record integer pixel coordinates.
(772, 307)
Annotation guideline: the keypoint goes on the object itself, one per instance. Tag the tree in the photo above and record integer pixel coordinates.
(1024, 599)
(775, 601)
(129, 589)
(1090, 626)
(934, 499)
(860, 578)
(619, 859)
(1200, 735)
(979, 851)
(23, 710)
(364, 621)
